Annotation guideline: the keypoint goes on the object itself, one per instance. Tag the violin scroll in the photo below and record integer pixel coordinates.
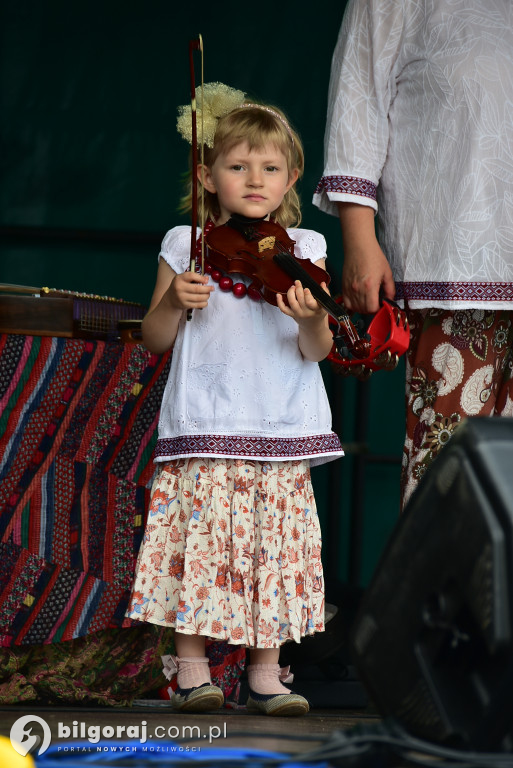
(389, 335)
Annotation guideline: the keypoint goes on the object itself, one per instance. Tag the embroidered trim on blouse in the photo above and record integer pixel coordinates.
(472, 291)
(247, 446)
(348, 185)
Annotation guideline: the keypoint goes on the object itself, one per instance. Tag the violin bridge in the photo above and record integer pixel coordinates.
(266, 243)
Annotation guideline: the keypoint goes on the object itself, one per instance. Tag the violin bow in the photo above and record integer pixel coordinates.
(196, 45)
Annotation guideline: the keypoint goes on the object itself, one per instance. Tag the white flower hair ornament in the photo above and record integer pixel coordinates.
(213, 100)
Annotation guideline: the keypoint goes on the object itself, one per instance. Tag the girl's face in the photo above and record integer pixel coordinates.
(251, 183)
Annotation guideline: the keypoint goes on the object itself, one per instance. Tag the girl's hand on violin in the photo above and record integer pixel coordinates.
(315, 337)
(301, 304)
(189, 290)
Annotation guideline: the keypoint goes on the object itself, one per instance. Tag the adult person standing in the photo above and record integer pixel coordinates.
(420, 130)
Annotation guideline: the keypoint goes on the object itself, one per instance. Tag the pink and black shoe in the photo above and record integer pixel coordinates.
(277, 704)
(204, 697)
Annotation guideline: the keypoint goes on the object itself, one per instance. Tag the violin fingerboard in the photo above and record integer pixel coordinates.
(290, 265)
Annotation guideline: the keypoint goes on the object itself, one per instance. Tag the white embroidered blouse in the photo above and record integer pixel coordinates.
(420, 127)
(239, 386)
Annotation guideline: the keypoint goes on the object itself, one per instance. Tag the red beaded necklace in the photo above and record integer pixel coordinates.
(225, 282)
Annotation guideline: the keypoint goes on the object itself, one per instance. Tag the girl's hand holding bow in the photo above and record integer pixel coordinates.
(173, 294)
(189, 290)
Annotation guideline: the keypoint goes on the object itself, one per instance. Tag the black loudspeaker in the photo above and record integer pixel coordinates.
(433, 638)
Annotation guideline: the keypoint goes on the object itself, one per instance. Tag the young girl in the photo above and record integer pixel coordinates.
(232, 547)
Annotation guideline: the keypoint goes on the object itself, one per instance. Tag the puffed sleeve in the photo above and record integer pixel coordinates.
(176, 248)
(362, 87)
(309, 244)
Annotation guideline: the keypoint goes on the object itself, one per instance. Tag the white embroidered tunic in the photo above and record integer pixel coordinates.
(239, 386)
(420, 127)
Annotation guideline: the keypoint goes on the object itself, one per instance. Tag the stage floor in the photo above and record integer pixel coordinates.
(156, 727)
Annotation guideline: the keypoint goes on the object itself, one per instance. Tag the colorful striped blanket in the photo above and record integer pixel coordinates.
(78, 424)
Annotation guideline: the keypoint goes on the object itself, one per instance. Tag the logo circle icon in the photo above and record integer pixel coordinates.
(22, 738)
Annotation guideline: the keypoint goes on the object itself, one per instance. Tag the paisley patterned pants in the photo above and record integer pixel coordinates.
(459, 364)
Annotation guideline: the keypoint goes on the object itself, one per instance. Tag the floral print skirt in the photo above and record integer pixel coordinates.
(232, 551)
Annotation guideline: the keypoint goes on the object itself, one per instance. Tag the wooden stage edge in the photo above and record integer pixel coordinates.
(158, 723)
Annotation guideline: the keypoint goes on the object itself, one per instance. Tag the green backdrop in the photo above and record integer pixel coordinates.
(91, 169)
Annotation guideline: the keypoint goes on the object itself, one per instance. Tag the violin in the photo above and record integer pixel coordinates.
(263, 251)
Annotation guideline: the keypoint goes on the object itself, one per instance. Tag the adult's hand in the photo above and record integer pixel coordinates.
(366, 273)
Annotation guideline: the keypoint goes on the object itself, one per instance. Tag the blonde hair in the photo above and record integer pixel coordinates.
(257, 125)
